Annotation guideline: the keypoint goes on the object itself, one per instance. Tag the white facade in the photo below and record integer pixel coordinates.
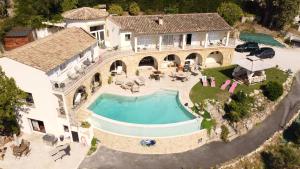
(45, 104)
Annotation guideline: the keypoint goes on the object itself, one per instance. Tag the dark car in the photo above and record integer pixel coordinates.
(247, 47)
(265, 53)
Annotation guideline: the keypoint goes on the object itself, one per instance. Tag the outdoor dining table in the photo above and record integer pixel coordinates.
(181, 75)
(50, 139)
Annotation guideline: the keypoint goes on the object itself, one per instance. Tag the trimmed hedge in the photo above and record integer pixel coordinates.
(273, 90)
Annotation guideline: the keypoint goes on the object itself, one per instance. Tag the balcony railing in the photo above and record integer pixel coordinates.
(105, 56)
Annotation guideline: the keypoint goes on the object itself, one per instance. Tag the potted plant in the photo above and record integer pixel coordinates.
(110, 80)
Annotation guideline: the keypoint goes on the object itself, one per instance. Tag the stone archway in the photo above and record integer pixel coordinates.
(214, 59)
(148, 62)
(195, 60)
(171, 60)
(80, 96)
(96, 82)
(118, 67)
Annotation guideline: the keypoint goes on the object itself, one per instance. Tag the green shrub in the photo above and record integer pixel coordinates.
(94, 141)
(115, 9)
(85, 124)
(109, 79)
(231, 12)
(273, 90)
(239, 107)
(134, 9)
(224, 133)
(208, 124)
(93, 147)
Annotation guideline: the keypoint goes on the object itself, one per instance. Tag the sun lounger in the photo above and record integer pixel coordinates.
(233, 86)
(135, 89)
(58, 149)
(139, 82)
(224, 86)
(204, 80)
(212, 82)
(59, 155)
(119, 82)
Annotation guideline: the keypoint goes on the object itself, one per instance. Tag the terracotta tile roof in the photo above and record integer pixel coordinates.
(173, 23)
(84, 13)
(48, 53)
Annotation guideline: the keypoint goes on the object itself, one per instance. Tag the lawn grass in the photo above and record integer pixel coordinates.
(199, 93)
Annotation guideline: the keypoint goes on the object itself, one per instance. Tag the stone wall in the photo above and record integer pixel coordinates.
(164, 145)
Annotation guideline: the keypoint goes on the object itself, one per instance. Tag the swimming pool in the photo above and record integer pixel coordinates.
(162, 107)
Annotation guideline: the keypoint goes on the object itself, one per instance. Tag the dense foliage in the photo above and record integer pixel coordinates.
(231, 12)
(11, 102)
(134, 9)
(281, 157)
(273, 90)
(69, 4)
(239, 107)
(224, 133)
(115, 9)
(3, 9)
(292, 133)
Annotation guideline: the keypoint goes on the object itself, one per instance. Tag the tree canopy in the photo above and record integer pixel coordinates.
(115, 9)
(231, 12)
(11, 102)
(134, 8)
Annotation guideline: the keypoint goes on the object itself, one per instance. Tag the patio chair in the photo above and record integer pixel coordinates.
(233, 86)
(204, 80)
(212, 82)
(224, 86)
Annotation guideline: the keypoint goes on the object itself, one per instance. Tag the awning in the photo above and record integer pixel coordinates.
(254, 63)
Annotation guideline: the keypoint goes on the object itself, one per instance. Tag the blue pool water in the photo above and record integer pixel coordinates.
(159, 108)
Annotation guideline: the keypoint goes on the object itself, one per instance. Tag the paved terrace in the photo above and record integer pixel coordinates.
(206, 156)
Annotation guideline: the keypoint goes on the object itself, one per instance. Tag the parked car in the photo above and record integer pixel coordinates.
(247, 47)
(265, 53)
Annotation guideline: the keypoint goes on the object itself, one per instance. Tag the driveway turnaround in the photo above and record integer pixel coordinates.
(206, 156)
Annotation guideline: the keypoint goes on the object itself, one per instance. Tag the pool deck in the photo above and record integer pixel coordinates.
(151, 87)
(164, 145)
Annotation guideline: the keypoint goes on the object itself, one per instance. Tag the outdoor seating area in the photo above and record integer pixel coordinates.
(132, 85)
(23, 149)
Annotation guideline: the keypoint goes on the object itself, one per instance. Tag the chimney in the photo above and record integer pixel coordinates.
(160, 20)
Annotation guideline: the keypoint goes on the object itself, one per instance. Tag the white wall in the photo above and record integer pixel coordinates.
(45, 103)
(84, 24)
(126, 44)
(112, 34)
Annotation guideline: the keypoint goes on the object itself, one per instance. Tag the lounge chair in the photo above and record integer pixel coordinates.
(72, 75)
(212, 82)
(119, 82)
(139, 82)
(59, 155)
(204, 80)
(119, 70)
(135, 89)
(79, 69)
(233, 86)
(224, 86)
(58, 149)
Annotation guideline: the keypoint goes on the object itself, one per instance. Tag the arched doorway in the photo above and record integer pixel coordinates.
(80, 96)
(194, 60)
(171, 61)
(214, 59)
(118, 67)
(96, 82)
(147, 62)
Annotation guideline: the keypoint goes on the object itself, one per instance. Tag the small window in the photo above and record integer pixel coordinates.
(127, 37)
(96, 28)
(66, 128)
(29, 99)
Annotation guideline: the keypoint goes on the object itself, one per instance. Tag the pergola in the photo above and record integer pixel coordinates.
(252, 69)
